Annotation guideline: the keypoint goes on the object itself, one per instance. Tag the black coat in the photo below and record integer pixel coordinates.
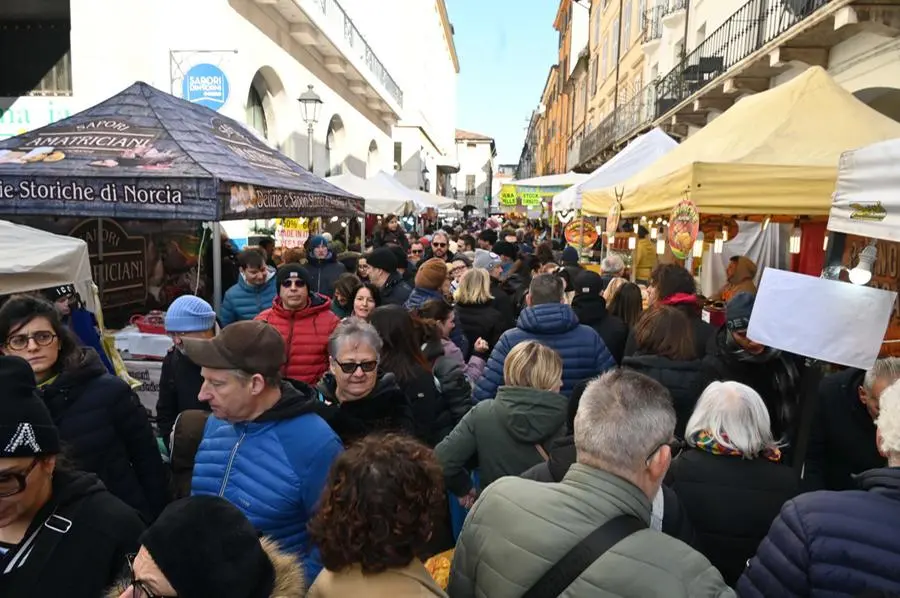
(324, 273)
(685, 381)
(89, 557)
(386, 409)
(179, 387)
(503, 303)
(842, 439)
(480, 320)
(562, 455)
(396, 290)
(704, 334)
(107, 432)
(731, 502)
(385, 236)
(591, 311)
(454, 392)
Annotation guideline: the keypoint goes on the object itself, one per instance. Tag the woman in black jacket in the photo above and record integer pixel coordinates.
(665, 352)
(475, 309)
(731, 480)
(390, 233)
(101, 420)
(61, 532)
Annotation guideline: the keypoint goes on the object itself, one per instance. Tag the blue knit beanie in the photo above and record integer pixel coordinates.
(317, 241)
(190, 313)
(570, 255)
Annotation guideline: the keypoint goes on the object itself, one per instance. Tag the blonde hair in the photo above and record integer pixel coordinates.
(612, 289)
(888, 422)
(474, 288)
(532, 365)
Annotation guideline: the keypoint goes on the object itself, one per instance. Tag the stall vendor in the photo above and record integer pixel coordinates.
(78, 319)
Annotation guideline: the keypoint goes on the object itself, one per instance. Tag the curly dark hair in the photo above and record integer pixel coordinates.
(383, 498)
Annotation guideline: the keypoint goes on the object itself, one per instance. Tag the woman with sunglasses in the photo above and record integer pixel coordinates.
(99, 417)
(355, 398)
(61, 532)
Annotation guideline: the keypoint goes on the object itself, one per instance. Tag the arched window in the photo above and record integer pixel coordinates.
(256, 114)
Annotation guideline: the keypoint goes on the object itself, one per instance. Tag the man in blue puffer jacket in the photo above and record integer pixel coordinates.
(549, 321)
(264, 448)
(254, 292)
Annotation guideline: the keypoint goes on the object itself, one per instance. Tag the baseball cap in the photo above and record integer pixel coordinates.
(250, 346)
(487, 260)
(588, 283)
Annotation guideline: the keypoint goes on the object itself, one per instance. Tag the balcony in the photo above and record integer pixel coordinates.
(631, 118)
(759, 41)
(651, 24)
(673, 13)
(325, 29)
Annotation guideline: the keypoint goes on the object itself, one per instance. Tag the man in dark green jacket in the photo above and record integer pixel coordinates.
(518, 528)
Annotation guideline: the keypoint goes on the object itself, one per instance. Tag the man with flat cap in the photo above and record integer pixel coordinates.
(264, 449)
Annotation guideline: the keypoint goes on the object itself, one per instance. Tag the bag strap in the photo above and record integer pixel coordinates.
(565, 571)
(543, 452)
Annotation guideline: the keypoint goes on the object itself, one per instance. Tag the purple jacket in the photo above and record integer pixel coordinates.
(473, 370)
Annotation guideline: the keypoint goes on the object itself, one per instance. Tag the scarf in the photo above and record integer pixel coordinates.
(680, 299)
(705, 441)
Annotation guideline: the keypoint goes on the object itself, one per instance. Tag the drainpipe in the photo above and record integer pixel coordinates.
(618, 63)
(687, 22)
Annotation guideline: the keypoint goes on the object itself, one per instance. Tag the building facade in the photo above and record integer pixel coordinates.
(474, 182)
(262, 54)
(576, 85)
(528, 158)
(701, 56)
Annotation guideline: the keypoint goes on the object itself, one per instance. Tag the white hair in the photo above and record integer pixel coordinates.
(887, 369)
(612, 264)
(888, 420)
(736, 417)
(355, 329)
(622, 417)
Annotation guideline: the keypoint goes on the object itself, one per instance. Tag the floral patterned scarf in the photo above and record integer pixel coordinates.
(705, 441)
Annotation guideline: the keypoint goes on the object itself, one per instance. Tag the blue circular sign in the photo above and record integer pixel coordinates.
(207, 85)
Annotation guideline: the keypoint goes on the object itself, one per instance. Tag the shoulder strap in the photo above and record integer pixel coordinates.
(542, 452)
(582, 555)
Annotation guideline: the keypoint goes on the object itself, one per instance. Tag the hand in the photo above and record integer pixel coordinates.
(481, 346)
(467, 501)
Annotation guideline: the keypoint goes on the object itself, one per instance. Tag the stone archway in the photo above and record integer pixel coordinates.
(373, 159)
(335, 146)
(885, 100)
(260, 113)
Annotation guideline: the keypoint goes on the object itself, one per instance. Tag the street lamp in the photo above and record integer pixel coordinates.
(310, 105)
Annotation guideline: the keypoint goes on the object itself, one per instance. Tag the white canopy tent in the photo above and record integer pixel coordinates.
(637, 155)
(552, 180)
(422, 199)
(866, 200)
(380, 197)
(32, 259)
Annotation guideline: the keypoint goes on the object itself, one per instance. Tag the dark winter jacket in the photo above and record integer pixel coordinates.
(685, 381)
(555, 325)
(244, 301)
(340, 311)
(420, 297)
(305, 333)
(324, 273)
(704, 333)
(842, 439)
(591, 311)
(179, 387)
(503, 303)
(562, 455)
(396, 290)
(832, 544)
(731, 501)
(187, 434)
(88, 557)
(108, 433)
(480, 320)
(386, 409)
(385, 236)
(453, 388)
(503, 433)
(273, 468)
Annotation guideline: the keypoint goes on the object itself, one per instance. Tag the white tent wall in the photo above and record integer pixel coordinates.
(866, 199)
(767, 247)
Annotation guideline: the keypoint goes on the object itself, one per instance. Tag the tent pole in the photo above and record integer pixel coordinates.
(581, 238)
(362, 234)
(101, 282)
(217, 266)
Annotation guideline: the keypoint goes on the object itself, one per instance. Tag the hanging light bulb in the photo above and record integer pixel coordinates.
(653, 232)
(724, 233)
(765, 223)
(635, 227)
(794, 244)
(632, 242)
(862, 273)
(825, 243)
(718, 245)
(698, 248)
(661, 246)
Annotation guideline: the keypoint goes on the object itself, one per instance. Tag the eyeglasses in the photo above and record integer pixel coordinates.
(12, 483)
(676, 446)
(416, 251)
(438, 244)
(293, 282)
(19, 342)
(140, 589)
(349, 367)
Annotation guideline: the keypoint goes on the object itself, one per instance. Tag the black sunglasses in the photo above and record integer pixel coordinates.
(416, 251)
(439, 244)
(12, 483)
(348, 367)
(293, 282)
(676, 446)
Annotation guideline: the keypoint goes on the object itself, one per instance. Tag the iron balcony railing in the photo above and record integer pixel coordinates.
(754, 25)
(673, 6)
(630, 117)
(651, 22)
(335, 14)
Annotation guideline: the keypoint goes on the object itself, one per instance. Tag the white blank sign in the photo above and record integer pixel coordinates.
(829, 320)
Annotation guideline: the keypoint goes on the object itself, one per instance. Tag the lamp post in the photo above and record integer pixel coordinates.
(310, 105)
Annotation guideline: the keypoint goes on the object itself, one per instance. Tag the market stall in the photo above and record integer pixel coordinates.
(380, 196)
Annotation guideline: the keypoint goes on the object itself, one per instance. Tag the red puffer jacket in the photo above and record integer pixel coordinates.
(305, 334)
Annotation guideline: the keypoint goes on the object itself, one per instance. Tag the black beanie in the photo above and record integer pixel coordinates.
(383, 259)
(55, 293)
(26, 427)
(206, 547)
(292, 271)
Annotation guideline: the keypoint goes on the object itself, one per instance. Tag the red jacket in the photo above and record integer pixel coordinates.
(305, 334)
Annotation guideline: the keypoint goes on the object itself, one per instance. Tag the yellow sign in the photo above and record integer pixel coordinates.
(531, 198)
(291, 232)
(508, 195)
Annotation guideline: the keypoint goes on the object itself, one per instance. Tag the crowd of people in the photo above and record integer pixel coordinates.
(467, 413)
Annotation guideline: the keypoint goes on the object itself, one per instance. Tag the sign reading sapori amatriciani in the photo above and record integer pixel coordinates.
(74, 191)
